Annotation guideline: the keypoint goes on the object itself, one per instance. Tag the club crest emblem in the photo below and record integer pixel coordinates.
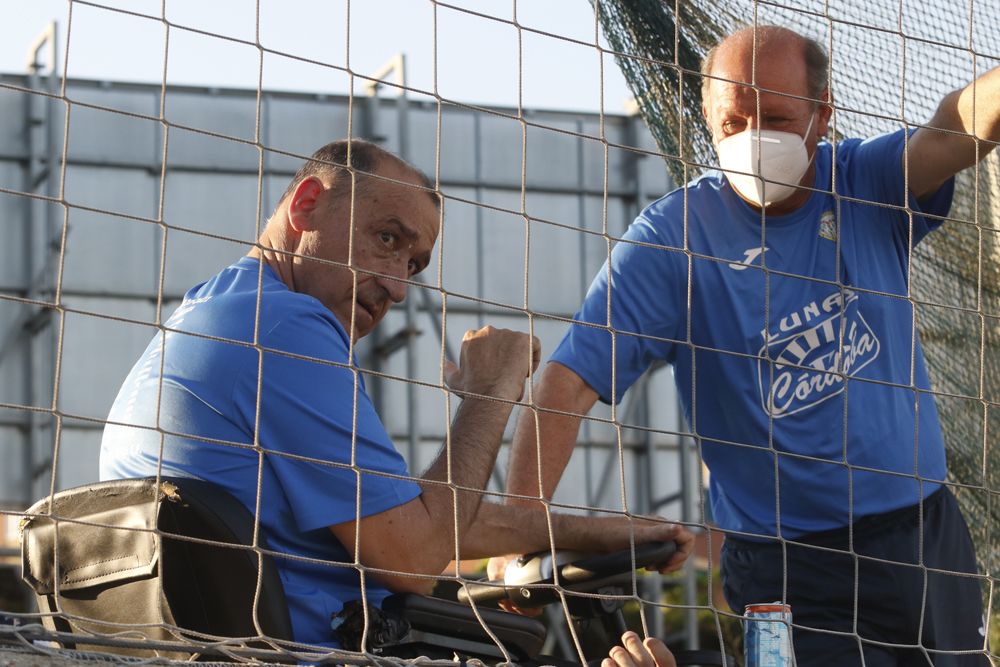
(828, 226)
(815, 349)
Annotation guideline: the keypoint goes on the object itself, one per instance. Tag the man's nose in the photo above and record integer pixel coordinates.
(394, 286)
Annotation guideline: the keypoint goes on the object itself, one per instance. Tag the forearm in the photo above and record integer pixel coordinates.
(388, 540)
(969, 121)
(545, 436)
(534, 469)
(505, 529)
(465, 462)
(978, 108)
(419, 537)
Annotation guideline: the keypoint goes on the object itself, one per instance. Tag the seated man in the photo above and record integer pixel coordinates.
(253, 385)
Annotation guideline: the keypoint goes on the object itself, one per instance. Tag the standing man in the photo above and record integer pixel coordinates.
(778, 290)
(253, 385)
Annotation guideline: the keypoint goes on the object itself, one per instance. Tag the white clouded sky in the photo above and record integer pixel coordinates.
(478, 59)
(468, 58)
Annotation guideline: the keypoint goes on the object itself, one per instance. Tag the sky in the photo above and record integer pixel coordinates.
(472, 51)
(470, 58)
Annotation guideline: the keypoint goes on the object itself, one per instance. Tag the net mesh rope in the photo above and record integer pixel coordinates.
(890, 64)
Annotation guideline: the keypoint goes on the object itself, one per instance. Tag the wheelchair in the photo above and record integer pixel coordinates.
(176, 568)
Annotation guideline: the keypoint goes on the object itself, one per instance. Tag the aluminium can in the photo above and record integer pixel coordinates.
(767, 639)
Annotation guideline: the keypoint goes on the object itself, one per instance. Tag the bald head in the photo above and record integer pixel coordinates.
(334, 163)
(734, 57)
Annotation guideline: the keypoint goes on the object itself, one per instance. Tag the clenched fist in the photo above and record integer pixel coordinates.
(494, 362)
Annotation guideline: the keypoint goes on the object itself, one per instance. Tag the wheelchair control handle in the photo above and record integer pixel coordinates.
(606, 565)
(577, 573)
(483, 593)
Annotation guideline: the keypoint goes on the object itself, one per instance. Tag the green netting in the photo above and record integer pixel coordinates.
(660, 57)
(891, 62)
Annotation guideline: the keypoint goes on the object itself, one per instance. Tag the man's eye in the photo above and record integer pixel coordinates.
(413, 268)
(388, 238)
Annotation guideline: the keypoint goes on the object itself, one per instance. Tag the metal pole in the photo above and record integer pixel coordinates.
(37, 364)
(51, 248)
(477, 170)
(584, 436)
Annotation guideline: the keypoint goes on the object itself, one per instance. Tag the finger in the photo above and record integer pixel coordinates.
(451, 371)
(621, 657)
(509, 606)
(684, 537)
(675, 563)
(684, 540)
(536, 353)
(496, 567)
(661, 654)
(640, 656)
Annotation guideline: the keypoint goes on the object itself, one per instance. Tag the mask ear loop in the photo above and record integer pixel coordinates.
(808, 130)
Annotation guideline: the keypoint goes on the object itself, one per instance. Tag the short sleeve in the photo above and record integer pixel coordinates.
(319, 429)
(877, 175)
(641, 286)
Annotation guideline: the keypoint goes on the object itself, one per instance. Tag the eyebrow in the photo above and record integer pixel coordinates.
(404, 229)
(411, 235)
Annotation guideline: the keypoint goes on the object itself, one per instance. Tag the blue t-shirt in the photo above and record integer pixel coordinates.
(312, 451)
(804, 381)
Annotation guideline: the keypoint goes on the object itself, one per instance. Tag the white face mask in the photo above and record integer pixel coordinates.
(764, 166)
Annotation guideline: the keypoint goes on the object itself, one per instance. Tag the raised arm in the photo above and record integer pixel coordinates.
(964, 129)
(418, 537)
(551, 434)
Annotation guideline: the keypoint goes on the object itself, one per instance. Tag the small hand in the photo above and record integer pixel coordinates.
(620, 530)
(681, 537)
(497, 566)
(636, 653)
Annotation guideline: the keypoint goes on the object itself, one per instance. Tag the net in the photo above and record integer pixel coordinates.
(123, 196)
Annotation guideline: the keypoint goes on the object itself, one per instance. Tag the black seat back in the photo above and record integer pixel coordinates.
(142, 556)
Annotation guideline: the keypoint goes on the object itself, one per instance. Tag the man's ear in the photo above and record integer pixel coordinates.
(303, 204)
(824, 111)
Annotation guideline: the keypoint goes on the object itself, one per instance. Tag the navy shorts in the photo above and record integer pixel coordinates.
(876, 602)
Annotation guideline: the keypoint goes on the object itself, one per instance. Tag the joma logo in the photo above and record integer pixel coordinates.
(750, 255)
